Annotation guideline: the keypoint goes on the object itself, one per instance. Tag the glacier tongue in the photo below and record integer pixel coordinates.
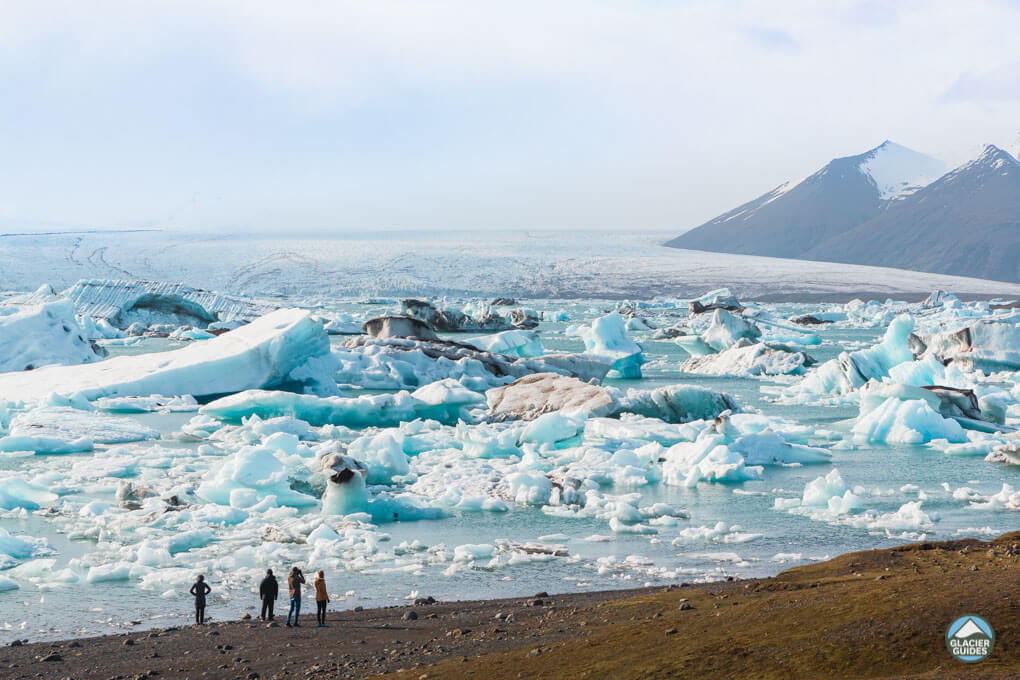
(281, 348)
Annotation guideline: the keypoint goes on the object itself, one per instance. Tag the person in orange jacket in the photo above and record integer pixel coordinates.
(321, 598)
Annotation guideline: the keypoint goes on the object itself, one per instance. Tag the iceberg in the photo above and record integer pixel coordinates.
(748, 360)
(15, 492)
(677, 403)
(529, 397)
(403, 363)
(726, 452)
(399, 327)
(283, 348)
(534, 395)
(721, 298)
(478, 317)
(607, 339)
(706, 460)
(516, 343)
(850, 370)
(959, 405)
(986, 346)
(47, 334)
(446, 401)
(122, 303)
(345, 489)
(44, 445)
(913, 421)
(252, 469)
(13, 548)
(62, 422)
(826, 498)
(727, 329)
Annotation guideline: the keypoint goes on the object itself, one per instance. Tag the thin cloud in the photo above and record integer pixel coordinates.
(999, 84)
(774, 39)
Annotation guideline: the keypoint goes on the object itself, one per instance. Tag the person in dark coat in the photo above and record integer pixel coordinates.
(269, 590)
(294, 581)
(200, 589)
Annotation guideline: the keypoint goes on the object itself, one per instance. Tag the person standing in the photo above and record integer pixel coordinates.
(200, 589)
(269, 590)
(294, 581)
(321, 598)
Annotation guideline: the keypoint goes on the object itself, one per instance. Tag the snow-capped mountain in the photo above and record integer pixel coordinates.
(801, 215)
(965, 223)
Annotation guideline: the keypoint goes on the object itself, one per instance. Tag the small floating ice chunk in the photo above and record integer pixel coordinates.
(103, 573)
(909, 517)
(831, 492)
(470, 552)
(531, 488)
(15, 548)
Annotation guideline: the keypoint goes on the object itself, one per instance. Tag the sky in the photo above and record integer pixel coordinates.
(315, 116)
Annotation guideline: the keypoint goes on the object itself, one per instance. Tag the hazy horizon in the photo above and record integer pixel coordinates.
(245, 116)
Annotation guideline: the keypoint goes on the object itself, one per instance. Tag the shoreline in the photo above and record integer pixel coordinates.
(877, 613)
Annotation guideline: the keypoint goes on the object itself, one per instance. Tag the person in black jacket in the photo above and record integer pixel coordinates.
(200, 589)
(269, 589)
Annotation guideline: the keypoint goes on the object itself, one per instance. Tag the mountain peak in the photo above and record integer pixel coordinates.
(897, 170)
(993, 153)
(871, 209)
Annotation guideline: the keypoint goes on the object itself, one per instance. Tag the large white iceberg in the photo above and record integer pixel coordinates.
(986, 346)
(906, 422)
(283, 348)
(33, 336)
(850, 370)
